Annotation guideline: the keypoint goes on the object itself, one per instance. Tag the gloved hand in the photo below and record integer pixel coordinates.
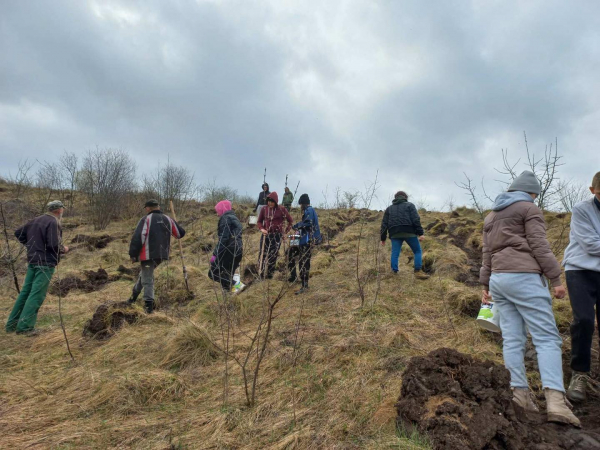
(213, 258)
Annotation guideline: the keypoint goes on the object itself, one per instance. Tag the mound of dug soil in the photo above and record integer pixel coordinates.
(93, 242)
(94, 280)
(108, 318)
(463, 403)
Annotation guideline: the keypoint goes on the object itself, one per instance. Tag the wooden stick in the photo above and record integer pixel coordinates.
(185, 275)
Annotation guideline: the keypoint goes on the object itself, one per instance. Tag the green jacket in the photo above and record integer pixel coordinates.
(288, 198)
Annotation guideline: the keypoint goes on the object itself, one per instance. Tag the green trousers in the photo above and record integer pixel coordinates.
(24, 313)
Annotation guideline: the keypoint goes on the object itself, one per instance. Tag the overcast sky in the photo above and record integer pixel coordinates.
(325, 91)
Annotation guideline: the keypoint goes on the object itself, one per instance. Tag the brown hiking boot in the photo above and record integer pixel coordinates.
(578, 386)
(558, 409)
(420, 275)
(524, 398)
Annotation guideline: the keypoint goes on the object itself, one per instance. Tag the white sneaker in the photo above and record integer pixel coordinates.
(238, 287)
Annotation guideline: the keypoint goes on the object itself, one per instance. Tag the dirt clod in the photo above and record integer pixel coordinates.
(94, 280)
(108, 318)
(93, 242)
(463, 403)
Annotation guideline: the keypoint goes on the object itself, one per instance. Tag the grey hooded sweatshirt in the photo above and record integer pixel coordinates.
(514, 240)
(583, 252)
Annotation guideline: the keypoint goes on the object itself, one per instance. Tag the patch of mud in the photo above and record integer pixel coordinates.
(133, 272)
(108, 318)
(463, 403)
(94, 281)
(93, 242)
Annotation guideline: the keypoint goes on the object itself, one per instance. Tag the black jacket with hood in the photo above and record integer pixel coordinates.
(262, 197)
(401, 217)
(152, 237)
(230, 236)
(43, 238)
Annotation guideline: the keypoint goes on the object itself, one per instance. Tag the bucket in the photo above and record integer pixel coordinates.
(294, 240)
(252, 220)
(489, 318)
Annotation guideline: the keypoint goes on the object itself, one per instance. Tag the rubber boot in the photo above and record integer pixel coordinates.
(523, 398)
(131, 300)
(149, 306)
(558, 408)
(578, 386)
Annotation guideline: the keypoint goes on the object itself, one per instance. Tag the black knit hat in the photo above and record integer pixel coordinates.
(151, 203)
(304, 200)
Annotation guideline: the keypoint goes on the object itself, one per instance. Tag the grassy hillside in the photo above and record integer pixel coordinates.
(332, 367)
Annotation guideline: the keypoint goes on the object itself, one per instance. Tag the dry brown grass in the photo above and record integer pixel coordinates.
(158, 383)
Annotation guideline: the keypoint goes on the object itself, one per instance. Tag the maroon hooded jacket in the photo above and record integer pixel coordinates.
(271, 219)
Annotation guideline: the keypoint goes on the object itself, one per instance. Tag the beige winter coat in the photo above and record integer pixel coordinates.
(514, 241)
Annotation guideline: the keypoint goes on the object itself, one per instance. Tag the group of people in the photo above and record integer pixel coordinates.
(517, 261)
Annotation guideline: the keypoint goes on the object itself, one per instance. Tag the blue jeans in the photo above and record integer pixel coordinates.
(523, 300)
(415, 246)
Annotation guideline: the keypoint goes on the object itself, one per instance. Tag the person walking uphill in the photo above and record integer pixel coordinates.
(310, 234)
(43, 238)
(270, 223)
(262, 198)
(582, 270)
(288, 199)
(151, 245)
(227, 254)
(401, 220)
(516, 256)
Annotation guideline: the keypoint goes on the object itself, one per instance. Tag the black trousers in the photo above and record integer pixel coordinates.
(269, 251)
(584, 293)
(302, 255)
(224, 267)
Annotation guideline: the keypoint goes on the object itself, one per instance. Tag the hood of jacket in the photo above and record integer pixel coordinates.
(399, 200)
(273, 196)
(222, 207)
(506, 199)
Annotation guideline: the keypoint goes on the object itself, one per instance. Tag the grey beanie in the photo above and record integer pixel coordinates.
(526, 182)
(54, 205)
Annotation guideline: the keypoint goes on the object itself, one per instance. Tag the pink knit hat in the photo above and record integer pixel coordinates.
(222, 207)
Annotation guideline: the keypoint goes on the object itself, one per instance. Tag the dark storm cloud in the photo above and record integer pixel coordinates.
(328, 92)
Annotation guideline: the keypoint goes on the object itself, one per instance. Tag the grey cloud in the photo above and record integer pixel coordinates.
(328, 92)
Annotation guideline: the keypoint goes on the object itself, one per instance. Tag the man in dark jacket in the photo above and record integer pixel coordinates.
(401, 220)
(270, 224)
(227, 254)
(310, 234)
(262, 198)
(43, 238)
(151, 244)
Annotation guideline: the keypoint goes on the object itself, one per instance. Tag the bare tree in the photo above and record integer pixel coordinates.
(8, 257)
(351, 198)
(106, 178)
(367, 198)
(545, 168)
(22, 179)
(171, 183)
(69, 165)
(48, 183)
(449, 203)
(570, 194)
(470, 189)
(211, 192)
